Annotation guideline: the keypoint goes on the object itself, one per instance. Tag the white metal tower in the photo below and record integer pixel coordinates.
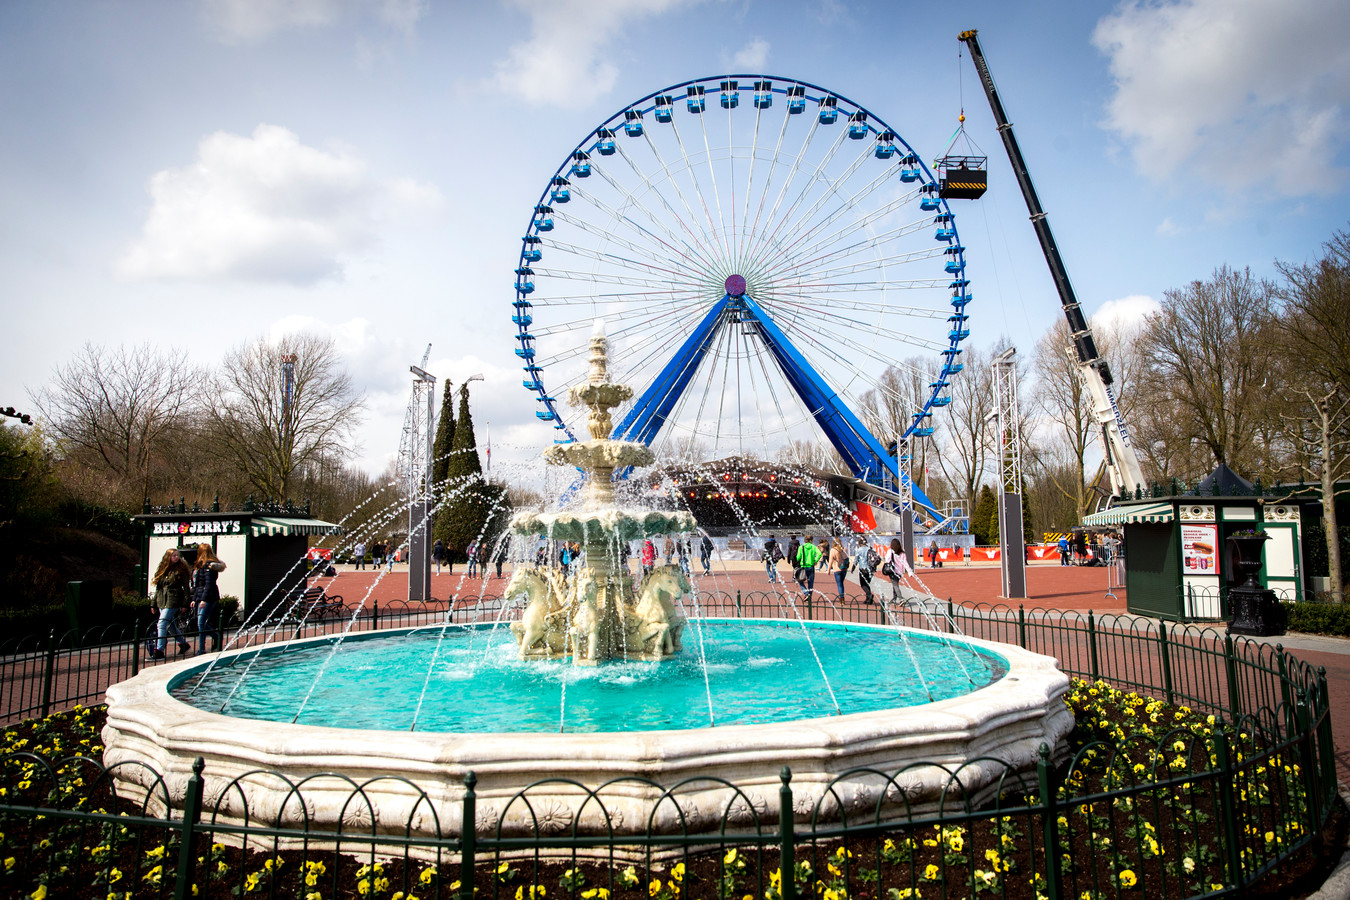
(1012, 545)
(414, 466)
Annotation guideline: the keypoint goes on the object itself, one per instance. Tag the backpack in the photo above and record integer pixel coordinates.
(873, 558)
(777, 552)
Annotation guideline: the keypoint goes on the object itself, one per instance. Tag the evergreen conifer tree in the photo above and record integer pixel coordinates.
(477, 510)
(440, 456)
(986, 508)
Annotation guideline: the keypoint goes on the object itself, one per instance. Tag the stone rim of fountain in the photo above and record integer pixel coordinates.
(1006, 721)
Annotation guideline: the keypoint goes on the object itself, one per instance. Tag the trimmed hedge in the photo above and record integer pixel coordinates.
(1320, 618)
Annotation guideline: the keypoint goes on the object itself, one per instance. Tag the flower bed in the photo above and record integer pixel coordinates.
(1145, 806)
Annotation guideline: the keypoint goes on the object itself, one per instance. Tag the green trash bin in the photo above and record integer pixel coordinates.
(88, 603)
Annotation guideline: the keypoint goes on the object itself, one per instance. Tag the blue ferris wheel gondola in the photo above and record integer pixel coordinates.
(767, 276)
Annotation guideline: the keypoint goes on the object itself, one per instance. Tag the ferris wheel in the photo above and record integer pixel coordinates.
(762, 250)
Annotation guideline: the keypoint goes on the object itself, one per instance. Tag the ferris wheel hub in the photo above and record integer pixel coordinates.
(735, 285)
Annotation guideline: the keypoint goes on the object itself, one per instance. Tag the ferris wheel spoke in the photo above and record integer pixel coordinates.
(831, 190)
(843, 253)
(670, 171)
(623, 262)
(713, 232)
(658, 247)
(752, 230)
(824, 250)
(780, 226)
(750, 184)
(586, 321)
(598, 278)
(690, 252)
(663, 249)
(626, 297)
(816, 237)
(760, 244)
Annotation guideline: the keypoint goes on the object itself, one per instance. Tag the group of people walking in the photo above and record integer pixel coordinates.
(834, 558)
(195, 588)
(382, 553)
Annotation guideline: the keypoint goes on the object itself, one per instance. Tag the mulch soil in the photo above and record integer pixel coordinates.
(986, 856)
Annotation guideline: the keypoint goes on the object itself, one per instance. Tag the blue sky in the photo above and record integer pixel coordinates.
(205, 173)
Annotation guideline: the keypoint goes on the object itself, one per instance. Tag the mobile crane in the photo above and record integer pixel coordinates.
(1122, 464)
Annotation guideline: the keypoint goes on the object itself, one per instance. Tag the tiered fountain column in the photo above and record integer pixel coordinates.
(597, 615)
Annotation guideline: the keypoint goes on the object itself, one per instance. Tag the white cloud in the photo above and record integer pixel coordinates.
(1239, 92)
(250, 21)
(1168, 228)
(564, 56)
(753, 57)
(1126, 314)
(266, 208)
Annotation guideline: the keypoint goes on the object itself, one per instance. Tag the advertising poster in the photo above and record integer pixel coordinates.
(1199, 549)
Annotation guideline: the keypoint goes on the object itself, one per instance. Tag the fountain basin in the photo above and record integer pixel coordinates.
(999, 727)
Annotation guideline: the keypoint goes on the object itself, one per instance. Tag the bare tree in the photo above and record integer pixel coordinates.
(1314, 343)
(1063, 400)
(817, 455)
(966, 430)
(888, 409)
(270, 440)
(1209, 362)
(116, 411)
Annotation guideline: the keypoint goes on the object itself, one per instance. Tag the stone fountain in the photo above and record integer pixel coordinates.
(596, 614)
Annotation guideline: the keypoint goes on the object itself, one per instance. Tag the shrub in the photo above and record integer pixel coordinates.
(1320, 618)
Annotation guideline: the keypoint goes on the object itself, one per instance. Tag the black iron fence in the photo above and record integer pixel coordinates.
(1204, 765)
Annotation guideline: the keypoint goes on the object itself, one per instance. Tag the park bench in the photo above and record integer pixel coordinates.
(316, 604)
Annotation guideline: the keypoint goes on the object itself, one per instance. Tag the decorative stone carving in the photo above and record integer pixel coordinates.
(1197, 512)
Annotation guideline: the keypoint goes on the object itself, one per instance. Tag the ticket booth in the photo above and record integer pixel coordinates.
(1176, 550)
(264, 552)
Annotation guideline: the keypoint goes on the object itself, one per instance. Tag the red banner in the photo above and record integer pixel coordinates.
(319, 553)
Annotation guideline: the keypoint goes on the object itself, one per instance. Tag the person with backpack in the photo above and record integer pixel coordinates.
(894, 565)
(705, 551)
(865, 562)
(438, 554)
(807, 558)
(793, 546)
(772, 554)
(1063, 550)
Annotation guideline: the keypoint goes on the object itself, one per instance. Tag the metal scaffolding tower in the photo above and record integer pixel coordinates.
(414, 466)
(1012, 543)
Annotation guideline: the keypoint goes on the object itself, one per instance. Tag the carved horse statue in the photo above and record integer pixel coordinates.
(586, 615)
(661, 623)
(541, 609)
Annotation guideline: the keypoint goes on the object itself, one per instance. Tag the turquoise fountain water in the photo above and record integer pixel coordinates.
(758, 671)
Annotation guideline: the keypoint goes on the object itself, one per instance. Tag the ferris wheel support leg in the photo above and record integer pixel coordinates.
(649, 413)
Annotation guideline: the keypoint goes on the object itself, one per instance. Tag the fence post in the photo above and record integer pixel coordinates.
(1308, 760)
(1230, 667)
(192, 814)
(786, 838)
(1286, 694)
(1092, 647)
(48, 674)
(738, 603)
(951, 615)
(809, 614)
(468, 837)
(375, 616)
(135, 652)
(1165, 654)
(1227, 810)
(1022, 625)
(1324, 738)
(1050, 819)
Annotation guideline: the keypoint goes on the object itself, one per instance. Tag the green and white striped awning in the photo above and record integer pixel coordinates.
(267, 526)
(1121, 515)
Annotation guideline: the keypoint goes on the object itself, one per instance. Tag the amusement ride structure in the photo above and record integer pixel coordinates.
(769, 254)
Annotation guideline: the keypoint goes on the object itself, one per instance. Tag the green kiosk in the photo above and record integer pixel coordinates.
(1177, 563)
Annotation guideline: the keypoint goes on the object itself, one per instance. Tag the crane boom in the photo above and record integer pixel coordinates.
(1121, 461)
